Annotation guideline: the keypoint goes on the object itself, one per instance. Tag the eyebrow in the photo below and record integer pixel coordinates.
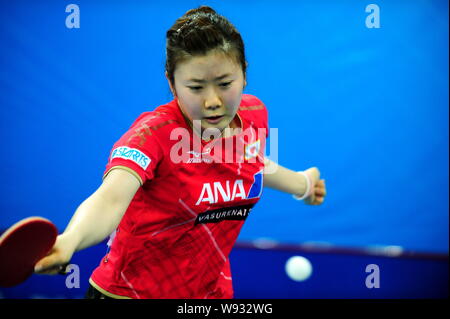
(216, 79)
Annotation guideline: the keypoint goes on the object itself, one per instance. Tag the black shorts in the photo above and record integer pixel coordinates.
(93, 293)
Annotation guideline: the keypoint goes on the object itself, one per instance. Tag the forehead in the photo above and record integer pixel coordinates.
(207, 66)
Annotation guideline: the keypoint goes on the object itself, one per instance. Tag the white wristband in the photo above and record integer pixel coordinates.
(308, 187)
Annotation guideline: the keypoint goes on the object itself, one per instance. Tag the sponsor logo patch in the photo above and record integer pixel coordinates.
(199, 157)
(131, 154)
(228, 213)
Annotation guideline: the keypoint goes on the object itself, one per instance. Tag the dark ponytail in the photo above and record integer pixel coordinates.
(199, 31)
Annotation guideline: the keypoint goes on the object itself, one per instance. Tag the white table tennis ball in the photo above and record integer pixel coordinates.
(298, 268)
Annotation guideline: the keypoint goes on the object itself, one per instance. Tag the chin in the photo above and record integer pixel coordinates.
(218, 126)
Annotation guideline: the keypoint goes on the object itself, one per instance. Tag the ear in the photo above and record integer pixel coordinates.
(245, 74)
(172, 89)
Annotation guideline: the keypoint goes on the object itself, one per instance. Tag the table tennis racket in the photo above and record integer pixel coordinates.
(22, 246)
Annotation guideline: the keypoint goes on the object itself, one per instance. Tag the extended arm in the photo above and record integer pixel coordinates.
(96, 218)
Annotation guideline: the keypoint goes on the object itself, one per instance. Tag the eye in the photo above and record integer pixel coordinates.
(195, 88)
(225, 84)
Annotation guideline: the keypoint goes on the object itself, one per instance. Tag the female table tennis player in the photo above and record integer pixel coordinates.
(177, 211)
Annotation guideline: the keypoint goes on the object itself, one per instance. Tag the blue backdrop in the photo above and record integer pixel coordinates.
(368, 106)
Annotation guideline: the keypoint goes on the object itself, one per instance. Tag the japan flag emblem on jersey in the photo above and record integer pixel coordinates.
(252, 150)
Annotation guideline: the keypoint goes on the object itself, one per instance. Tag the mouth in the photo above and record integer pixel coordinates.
(214, 119)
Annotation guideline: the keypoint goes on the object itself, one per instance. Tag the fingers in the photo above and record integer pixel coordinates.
(52, 271)
(45, 263)
(319, 189)
(318, 201)
(319, 192)
(318, 196)
(50, 265)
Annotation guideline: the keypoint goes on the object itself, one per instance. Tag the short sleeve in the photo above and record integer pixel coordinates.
(266, 120)
(260, 113)
(137, 151)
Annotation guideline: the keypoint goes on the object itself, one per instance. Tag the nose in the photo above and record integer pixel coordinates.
(212, 100)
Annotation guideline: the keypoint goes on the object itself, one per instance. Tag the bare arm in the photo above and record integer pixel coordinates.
(283, 179)
(96, 218)
(288, 181)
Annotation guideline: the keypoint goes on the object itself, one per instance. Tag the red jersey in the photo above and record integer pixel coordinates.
(175, 237)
